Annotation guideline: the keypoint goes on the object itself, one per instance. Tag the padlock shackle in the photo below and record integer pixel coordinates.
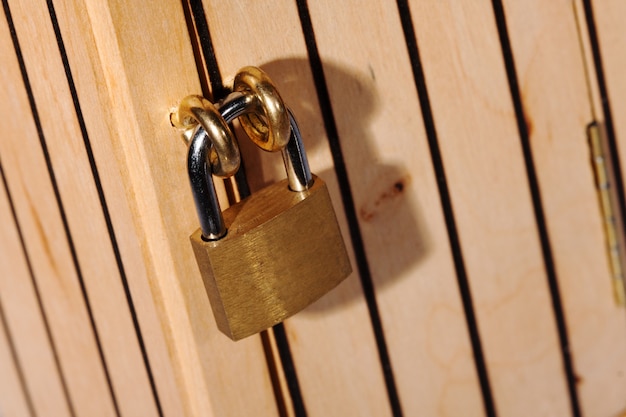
(294, 157)
(202, 187)
(295, 160)
(200, 172)
(199, 166)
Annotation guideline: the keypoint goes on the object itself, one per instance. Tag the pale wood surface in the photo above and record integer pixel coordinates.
(132, 62)
(46, 244)
(334, 336)
(13, 400)
(25, 322)
(482, 155)
(83, 57)
(384, 144)
(83, 211)
(130, 112)
(557, 109)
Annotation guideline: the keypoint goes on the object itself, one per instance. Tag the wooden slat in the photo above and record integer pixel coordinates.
(132, 63)
(334, 335)
(13, 401)
(80, 46)
(557, 110)
(378, 116)
(23, 315)
(46, 244)
(486, 174)
(83, 209)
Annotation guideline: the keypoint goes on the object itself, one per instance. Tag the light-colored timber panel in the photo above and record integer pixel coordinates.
(13, 400)
(557, 110)
(47, 248)
(379, 121)
(332, 342)
(81, 50)
(23, 316)
(482, 155)
(84, 213)
(132, 63)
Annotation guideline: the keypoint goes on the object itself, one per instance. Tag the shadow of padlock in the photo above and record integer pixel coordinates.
(274, 253)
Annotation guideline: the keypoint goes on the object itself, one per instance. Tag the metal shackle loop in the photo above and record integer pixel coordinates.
(200, 167)
(267, 124)
(295, 160)
(294, 157)
(202, 188)
(224, 154)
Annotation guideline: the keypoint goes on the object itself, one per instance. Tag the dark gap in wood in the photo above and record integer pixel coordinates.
(103, 203)
(197, 49)
(7, 329)
(203, 34)
(611, 137)
(16, 361)
(57, 195)
(348, 202)
(205, 58)
(446, 204)
(535, 191)
(289, 368)
(273, 366)
(37, 294)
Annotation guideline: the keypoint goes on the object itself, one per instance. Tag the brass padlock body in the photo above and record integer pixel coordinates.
(283, 251)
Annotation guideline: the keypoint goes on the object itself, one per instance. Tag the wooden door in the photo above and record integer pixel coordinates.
(453, 139)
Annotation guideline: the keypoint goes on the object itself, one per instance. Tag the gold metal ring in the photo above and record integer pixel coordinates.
(193, 110)
(268, 125)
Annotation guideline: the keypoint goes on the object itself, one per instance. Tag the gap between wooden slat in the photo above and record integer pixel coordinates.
(538, 207)
(5, 333)
(103, 203)
(444, 193)
(55, 188)
(348, 202)
(37, 294)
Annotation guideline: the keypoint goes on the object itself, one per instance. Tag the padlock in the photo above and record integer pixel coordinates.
(282, 249)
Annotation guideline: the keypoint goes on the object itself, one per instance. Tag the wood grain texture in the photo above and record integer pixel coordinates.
(83, 59)
(131, 62)
(557, 109)
(25, 322)
(378, 116)
(47, 247)
(85, 216)
(483, 159)
(332, 341)
(127, 102)
(13, 400)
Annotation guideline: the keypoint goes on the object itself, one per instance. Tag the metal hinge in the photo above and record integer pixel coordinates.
(609, 205)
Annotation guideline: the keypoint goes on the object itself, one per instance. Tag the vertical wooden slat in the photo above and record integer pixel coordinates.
(132, 63)
(85, 216)
(80, 46)
(40, 219)
(378, 117)
(23, 315)
(487, 178)
(334, 336)
(13, 399)
(557, 109)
